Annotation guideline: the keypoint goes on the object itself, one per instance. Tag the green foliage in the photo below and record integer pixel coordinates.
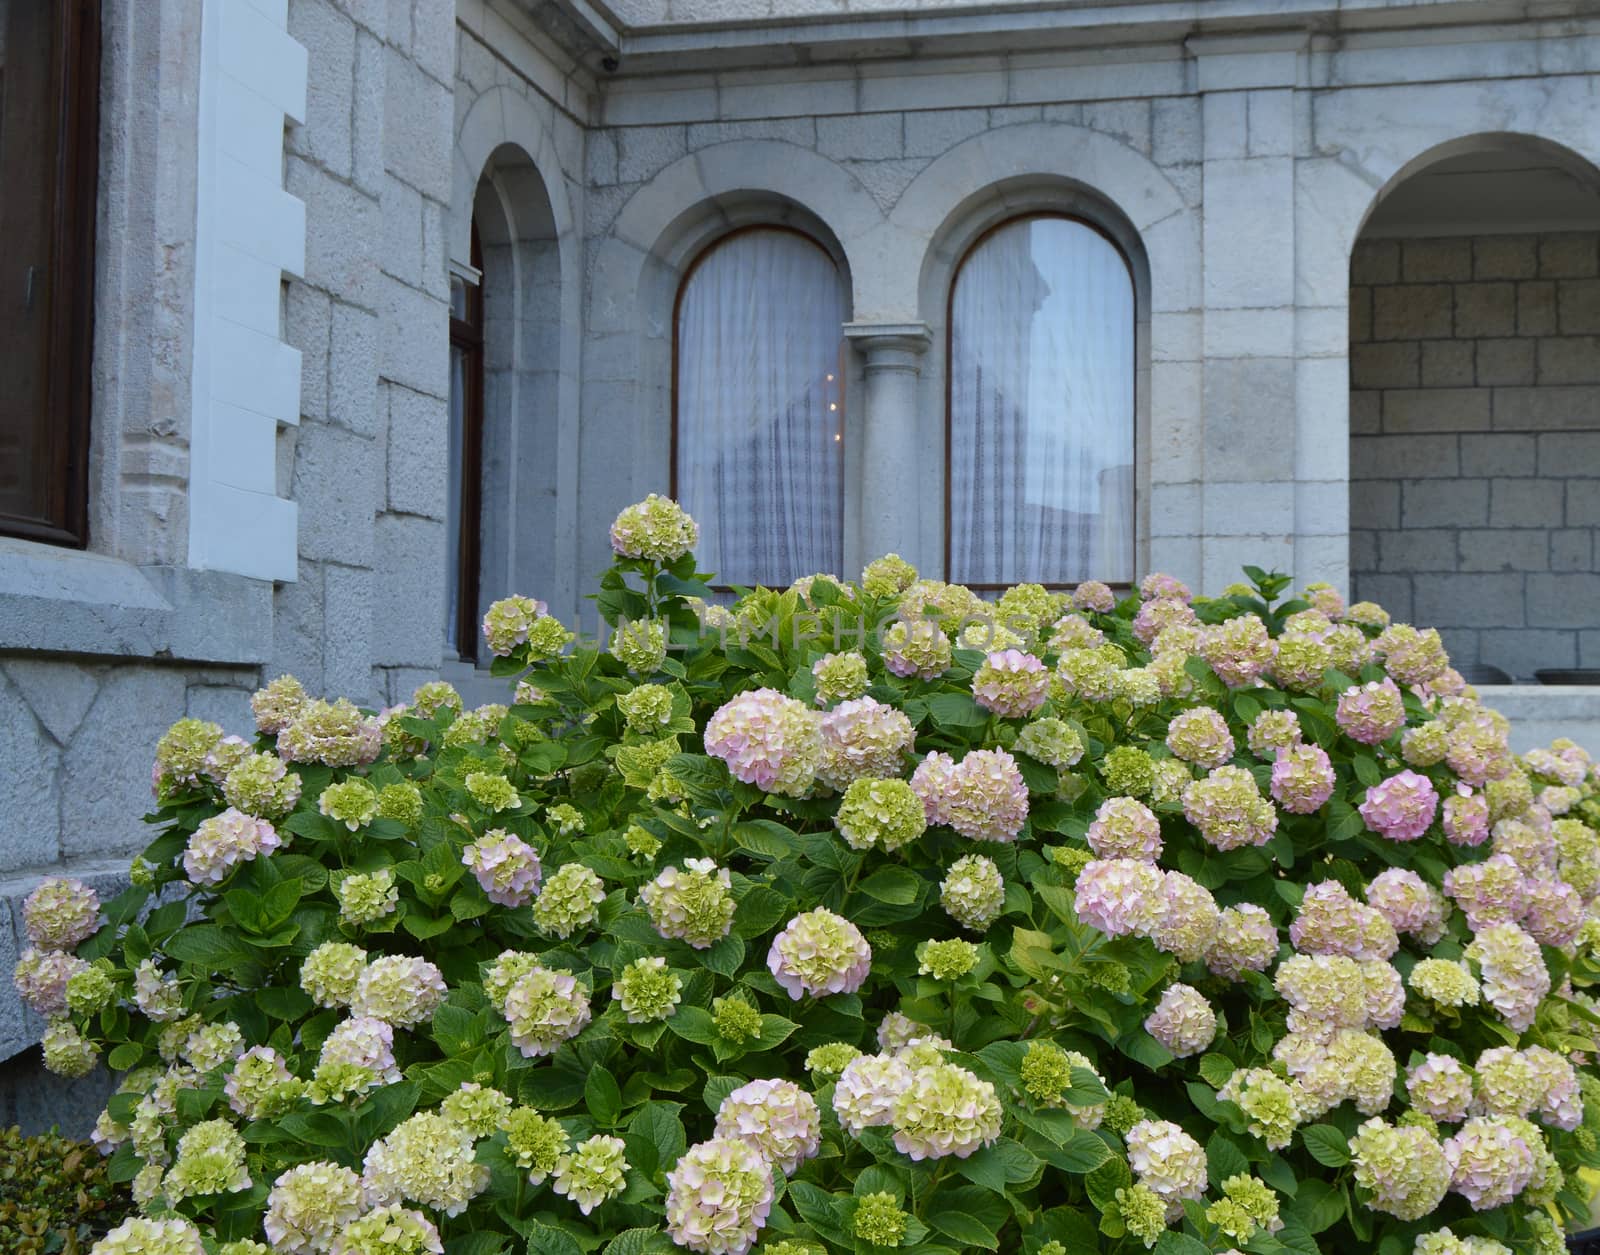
(55, 1195)
(1102, 1064)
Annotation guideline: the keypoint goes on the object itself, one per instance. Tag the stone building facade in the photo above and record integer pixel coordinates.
(288, 196)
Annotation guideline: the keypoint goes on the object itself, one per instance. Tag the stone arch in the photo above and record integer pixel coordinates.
(670, 220)
(1007, 173)
(1473, 399)
(508, 175)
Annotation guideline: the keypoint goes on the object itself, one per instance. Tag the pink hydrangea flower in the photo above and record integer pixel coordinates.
(860, 738)
(506, 866)
(1554, 912)
(768, 740)
(60, 913)
(1490, 892)
(1440, 1088)
(366, 1042)
(1246, 940)
(1125, 827)
(1330, 921)
(1095, 596)
(224, 841)
(1156, 616)
(1121, 896)
(1401, 807)
(819, 953)
(1011, 683)
(1489, 1164)
(1371, 713)
(1160, 586)
(1302, 778)
(777, 1117)
(982, 797)
(1466, 817)
(1239, 651)
(1183, 1021)
(719, 1195)
(1200, 736)
(1515, 979)
(1409, 903)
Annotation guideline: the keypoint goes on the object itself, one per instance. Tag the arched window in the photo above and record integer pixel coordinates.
(1041, 407)
(758, 423)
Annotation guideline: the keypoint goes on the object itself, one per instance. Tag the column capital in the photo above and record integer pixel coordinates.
(890, 344)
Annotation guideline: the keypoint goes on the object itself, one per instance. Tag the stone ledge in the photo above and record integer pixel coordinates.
(65, 601)
(1540, 713)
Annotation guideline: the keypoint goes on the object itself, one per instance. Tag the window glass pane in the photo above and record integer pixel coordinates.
(759, 411)
(1041, 408)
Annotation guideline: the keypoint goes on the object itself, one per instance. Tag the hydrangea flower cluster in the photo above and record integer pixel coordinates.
(699, 947)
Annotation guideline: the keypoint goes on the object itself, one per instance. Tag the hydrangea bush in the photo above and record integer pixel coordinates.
(855, 917)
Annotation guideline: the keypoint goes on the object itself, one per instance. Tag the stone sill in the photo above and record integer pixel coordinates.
(66, 601)
(1542, 701)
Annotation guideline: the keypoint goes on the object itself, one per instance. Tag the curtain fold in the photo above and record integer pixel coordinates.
(1041, 408)
(760, 459)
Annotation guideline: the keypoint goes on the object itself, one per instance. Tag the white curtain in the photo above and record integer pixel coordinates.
(1041, 408)
(759, 411)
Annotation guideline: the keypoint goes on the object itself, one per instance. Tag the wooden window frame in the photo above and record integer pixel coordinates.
(949, 380)
(72, 115)
(467, 335)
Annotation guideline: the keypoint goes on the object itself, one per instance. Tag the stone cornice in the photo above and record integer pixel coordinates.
(646, 37)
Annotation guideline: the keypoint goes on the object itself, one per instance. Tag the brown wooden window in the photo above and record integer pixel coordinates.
(49, 118)
(463, 515)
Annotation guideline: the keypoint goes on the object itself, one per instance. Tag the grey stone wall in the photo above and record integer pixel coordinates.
(1475, 442)
(372, 164)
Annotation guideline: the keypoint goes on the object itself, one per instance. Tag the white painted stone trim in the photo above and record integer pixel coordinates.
(248, 233)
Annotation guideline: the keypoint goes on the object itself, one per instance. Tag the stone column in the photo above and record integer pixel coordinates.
(891, 354)
(1248, 91)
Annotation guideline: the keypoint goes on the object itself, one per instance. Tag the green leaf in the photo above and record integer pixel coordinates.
(995, 1167)
(125, 1057)
(1367, 770)
(641, 1242)
(656, 1132)
(693, 1024)
(1317, 1205)
(724, 956)
(476, 1244)
(1217, 1069)
(602, 1096)
(1174, 1243)
(546, 1239)
(897, 886)
(206, 945)
(1326, 1145)
(284, 1002)
(1224, 1158)
(1103, 1183)
(956, 710)
(964, 1228)
(759, 910)
(717, 1088)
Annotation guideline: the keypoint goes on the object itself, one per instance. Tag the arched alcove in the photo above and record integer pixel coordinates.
(1475, 402)
(506, 389)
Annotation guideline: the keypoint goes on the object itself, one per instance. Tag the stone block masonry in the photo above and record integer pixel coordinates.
(1475, 459)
